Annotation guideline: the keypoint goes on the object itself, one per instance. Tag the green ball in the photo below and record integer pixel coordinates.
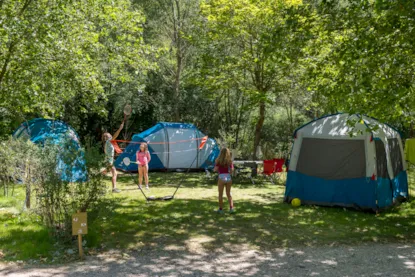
(296, 202)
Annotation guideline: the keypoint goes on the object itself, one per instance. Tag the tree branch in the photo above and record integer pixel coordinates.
(7, 61)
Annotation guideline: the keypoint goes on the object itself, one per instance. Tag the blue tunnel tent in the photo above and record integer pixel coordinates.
(57, 132)
(331, 168)
(171, 146)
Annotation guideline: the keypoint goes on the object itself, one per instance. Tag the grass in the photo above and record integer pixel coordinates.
(126, 221)
(22, 236)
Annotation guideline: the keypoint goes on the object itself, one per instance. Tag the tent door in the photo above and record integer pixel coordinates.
(384, 189)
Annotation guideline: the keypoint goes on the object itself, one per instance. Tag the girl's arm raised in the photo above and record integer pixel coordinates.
(118, 131)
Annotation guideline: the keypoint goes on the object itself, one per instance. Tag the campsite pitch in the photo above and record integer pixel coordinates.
(126, 222)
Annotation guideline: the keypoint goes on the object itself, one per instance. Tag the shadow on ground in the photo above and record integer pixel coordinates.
(368, 260)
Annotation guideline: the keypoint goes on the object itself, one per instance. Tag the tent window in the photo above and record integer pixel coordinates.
(395, 155)
(332, 159)
(381, 162)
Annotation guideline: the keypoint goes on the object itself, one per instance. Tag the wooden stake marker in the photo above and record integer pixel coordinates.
(79, 228)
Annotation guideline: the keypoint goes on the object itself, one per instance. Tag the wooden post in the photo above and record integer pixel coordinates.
(79, 228)
(81, 252)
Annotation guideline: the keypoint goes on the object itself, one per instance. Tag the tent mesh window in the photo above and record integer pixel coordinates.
(182, 153)
(158, 145)
(332, 159)
(381, 162)
(395, 155)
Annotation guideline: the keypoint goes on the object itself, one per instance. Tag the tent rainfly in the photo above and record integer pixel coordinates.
(57, 132)
(171, 146)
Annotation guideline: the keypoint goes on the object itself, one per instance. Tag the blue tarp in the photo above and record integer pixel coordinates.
(56, 132)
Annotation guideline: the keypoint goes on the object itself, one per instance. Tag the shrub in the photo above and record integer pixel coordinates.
(46, 171)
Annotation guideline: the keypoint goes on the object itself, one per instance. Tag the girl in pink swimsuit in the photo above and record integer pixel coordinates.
(224, 167)
(143, 158)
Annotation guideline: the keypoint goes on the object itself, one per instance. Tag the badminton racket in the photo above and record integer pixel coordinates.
(127, 161)
(127, 111)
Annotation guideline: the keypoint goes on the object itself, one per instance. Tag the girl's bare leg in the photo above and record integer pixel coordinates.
(140, 176)
(114, 177)
(221, 185)
(145, 171)
(228, 194)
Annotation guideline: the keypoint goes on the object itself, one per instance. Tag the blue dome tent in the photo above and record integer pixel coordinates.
(172, 146)
(40, 130)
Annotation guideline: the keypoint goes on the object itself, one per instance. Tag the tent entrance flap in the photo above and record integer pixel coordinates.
(381, 161)
(396, 157)
(332, 159)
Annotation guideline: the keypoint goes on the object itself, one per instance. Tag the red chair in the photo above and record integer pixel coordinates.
(279, 163)
(269, 169)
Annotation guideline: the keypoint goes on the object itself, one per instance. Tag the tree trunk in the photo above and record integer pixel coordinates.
(179, 57)
(290, 114)
(239, 120)
(258, 128)
(27, 180)
(5, 184)
(177, 90)
(6, 62)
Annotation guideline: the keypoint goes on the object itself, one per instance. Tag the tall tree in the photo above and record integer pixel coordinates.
(168, 24)
(362, 57)
(55, 52)
(251, 45)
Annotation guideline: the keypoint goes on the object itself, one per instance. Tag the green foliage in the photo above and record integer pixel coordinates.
(169, 25)
(361, 58)
(222, 65)
(18, 159)
(57, 198)
(40, 169)
(244, 49)
(65, 57)
(277, 133)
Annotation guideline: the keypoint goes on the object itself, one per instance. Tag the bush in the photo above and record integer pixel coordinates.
(40, 169)
(18, 161)
(277, 133)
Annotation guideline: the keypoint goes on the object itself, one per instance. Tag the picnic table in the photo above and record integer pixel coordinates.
(245, 164)
(246, 168)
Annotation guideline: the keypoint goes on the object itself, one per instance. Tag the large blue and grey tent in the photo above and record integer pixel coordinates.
(41, 131)
(171, 146)
(330, 167)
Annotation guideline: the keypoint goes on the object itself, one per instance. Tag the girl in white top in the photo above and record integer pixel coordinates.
(109, 156)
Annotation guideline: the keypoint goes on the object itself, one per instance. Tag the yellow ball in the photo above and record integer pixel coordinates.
(296, 202)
